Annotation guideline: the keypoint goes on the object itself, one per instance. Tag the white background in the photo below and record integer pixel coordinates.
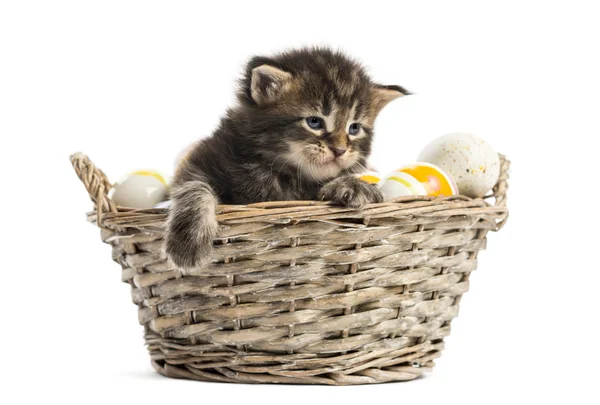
(132, 83)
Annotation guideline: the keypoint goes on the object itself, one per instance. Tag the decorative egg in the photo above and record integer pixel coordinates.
(141, 189)
(163, 204)
(435, 181)
(399, 184)
(371, 177)
(472, 162)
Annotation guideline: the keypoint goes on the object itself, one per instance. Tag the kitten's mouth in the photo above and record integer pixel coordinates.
(331, 165)
(331, 162)
(340, 162)
(316, 165)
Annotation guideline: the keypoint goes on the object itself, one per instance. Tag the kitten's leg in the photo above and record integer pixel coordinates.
(192, 224)
(349, 191)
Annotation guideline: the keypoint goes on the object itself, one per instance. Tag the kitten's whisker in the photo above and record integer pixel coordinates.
(359, 168)
(298, 172)
(284, 163)
(310, 169)
(275, 161)
(315, 173)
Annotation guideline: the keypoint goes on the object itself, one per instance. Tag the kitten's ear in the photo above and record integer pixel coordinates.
(382, 95)
(267, 83)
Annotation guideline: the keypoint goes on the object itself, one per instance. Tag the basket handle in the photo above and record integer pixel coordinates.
(96, 183)
(499, 190)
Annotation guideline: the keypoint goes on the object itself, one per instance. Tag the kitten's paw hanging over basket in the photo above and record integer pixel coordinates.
(187, 253)
(349, 191)
(191, 226)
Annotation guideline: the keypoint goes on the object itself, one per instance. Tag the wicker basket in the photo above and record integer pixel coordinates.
(302, 292)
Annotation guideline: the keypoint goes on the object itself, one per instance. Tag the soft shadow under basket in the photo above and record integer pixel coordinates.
(302, 292)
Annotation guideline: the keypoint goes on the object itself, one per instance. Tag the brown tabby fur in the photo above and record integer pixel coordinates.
(264, 150)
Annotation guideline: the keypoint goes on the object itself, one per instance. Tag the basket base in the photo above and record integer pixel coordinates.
(355, 368)
(371, 376)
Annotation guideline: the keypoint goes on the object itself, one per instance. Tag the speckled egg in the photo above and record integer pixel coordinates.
(436, 182)
(141, 189)
(472, 162)
(399, 184)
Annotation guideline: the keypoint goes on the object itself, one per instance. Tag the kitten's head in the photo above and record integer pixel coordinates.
(314, 108)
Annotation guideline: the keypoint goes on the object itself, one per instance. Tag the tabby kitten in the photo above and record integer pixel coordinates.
(303, 125)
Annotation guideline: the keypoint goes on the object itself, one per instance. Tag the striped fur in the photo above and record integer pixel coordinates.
(263, 149)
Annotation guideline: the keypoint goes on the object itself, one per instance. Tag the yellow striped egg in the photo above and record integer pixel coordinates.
(436, 182)
(400, 184)
(371, 177)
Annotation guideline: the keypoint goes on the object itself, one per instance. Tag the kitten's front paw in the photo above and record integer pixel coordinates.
(189, 240)
(349, 191)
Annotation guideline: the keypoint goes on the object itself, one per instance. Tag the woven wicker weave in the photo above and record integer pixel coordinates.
(302, 292)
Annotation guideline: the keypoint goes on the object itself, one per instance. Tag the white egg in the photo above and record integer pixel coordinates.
(399, 184)
(163, 204)
(473, 163)
(141, 189)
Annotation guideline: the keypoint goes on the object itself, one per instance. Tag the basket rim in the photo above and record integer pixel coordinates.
(107, 214)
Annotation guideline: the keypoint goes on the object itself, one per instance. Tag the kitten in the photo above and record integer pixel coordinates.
(303, 126)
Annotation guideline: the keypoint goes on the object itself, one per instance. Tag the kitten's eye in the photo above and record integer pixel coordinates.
(354, 128)
(315, 122)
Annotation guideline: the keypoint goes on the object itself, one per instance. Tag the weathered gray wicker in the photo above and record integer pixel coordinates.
(302, 292)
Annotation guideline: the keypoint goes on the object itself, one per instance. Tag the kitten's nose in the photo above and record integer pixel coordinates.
(337, 152)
